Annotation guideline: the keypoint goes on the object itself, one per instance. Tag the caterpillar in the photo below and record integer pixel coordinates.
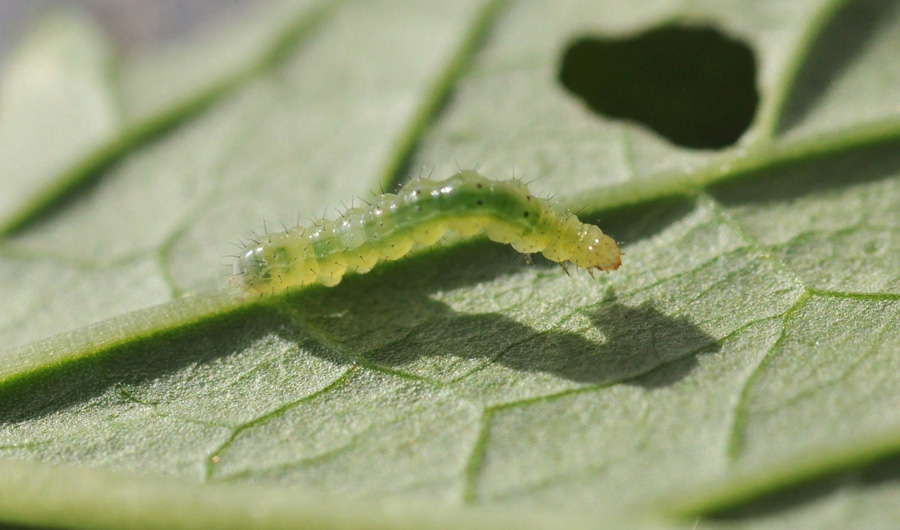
(420, 214)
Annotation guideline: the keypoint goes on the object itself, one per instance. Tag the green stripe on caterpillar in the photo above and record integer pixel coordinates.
(420, 214)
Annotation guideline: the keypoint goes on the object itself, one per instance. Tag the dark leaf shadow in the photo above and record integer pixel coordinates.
(828, 173)
(393, 322)
(632, 341)
(110, 373)
(881, 473)
(631, 223)
(389, 319)
(845, 37)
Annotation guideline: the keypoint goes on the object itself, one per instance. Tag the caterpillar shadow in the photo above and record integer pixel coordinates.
(387, 318)
(391, 320)
(627, 343)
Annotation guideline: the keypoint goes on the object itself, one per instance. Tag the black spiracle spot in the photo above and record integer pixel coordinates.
(281, 255)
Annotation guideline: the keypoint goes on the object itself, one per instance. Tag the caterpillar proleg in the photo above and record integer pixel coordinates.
(420, 214)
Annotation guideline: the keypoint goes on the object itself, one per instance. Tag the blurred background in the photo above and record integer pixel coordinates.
(131, 23)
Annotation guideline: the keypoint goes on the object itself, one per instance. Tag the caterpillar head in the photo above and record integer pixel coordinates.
(249, 268)
(595, 250)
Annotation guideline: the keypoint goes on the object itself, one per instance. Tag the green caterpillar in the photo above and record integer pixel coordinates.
(420, 214)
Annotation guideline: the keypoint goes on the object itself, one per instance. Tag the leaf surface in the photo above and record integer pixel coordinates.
(740, 367)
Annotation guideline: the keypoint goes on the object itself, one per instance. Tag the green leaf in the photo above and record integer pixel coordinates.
(739, 370)
(56, 85)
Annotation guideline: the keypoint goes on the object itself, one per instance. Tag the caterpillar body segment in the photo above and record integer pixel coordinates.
(421, 213)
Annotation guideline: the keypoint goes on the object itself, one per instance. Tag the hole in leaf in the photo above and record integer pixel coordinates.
(695, 86)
